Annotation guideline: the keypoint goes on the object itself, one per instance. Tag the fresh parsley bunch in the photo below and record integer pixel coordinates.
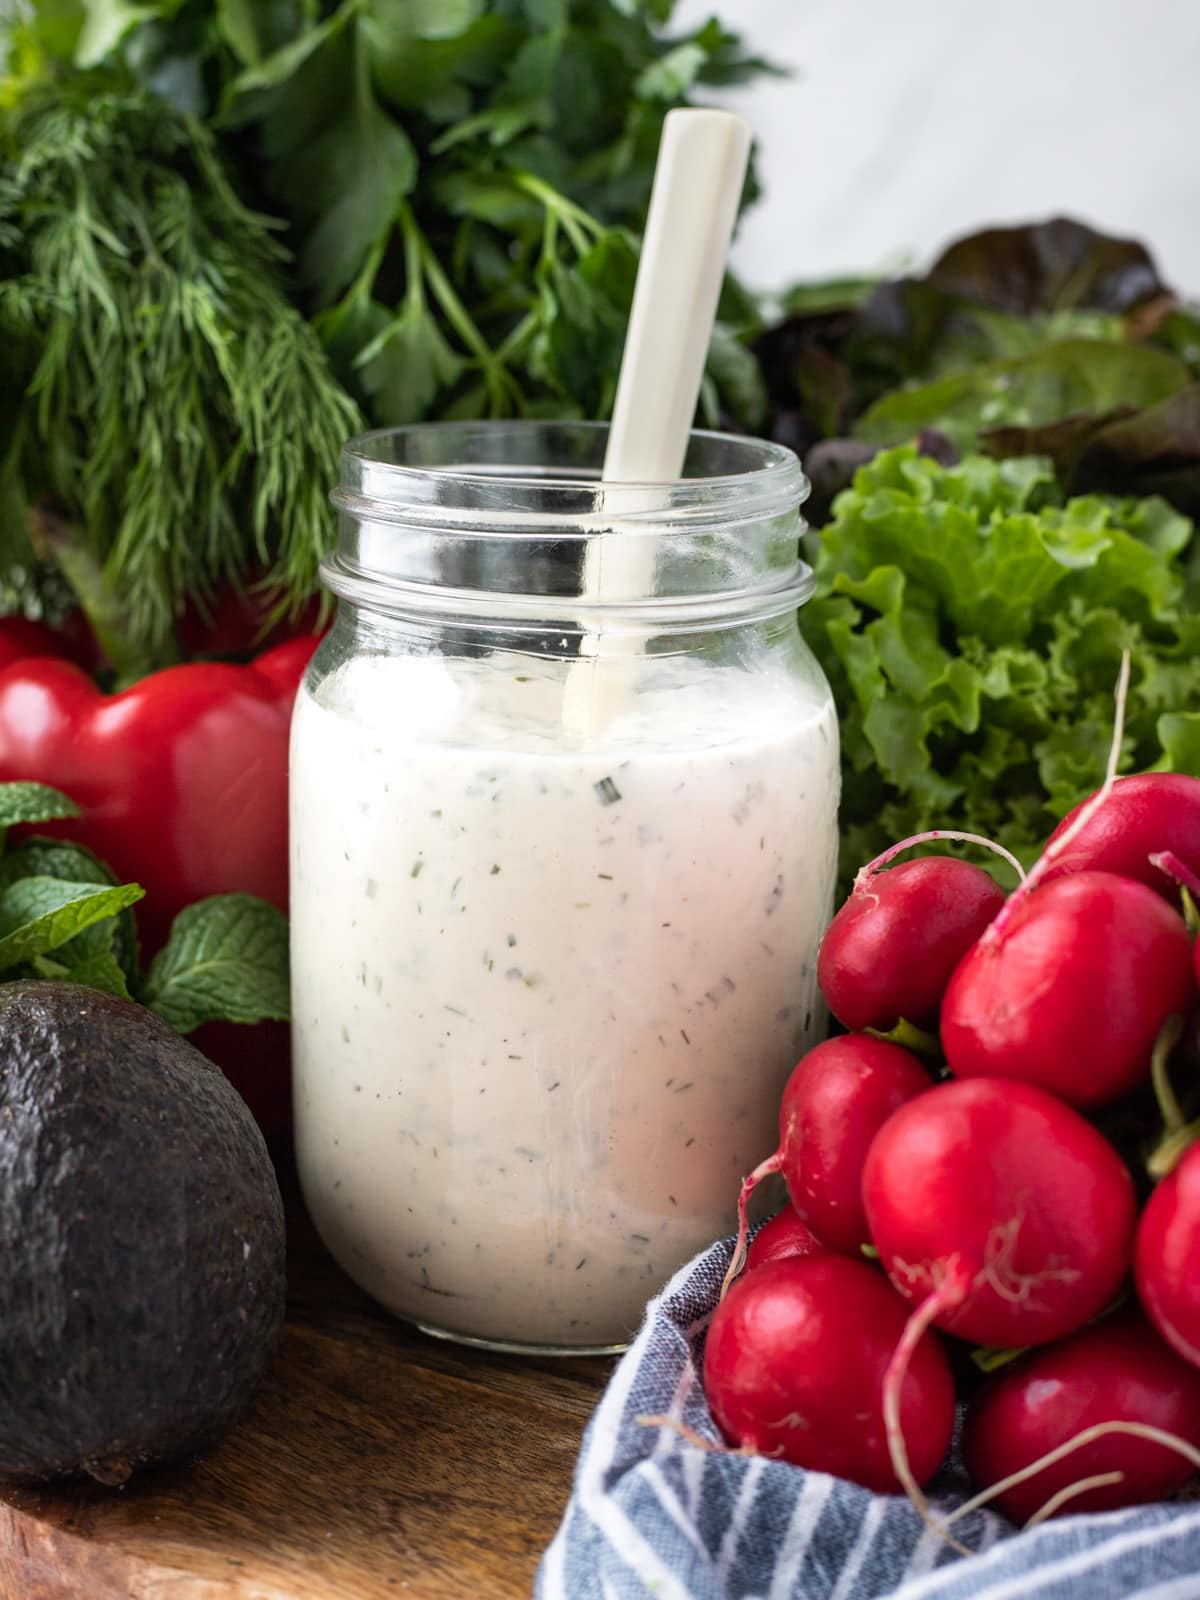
(232, 231)
(464, 181)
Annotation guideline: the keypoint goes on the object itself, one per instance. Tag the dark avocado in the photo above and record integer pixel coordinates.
(141, 1239)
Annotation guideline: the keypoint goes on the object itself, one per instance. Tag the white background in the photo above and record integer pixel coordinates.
(909, 122)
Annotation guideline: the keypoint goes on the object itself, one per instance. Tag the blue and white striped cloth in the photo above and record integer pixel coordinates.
(651, 1515)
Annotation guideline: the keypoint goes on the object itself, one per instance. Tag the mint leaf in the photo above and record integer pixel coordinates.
(38, 915)
(60, 858)
(226, 961)
(100, 971)
(33, 802)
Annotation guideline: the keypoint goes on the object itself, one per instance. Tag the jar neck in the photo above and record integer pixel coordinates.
(373, 631)
(510, 524)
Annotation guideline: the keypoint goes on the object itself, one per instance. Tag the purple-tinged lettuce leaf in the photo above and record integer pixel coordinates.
(1058, 265)
(1061, 380)
(1155, 452)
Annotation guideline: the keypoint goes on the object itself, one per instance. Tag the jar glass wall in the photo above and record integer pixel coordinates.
(562, 850)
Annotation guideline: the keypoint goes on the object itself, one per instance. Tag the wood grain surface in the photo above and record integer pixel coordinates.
(377, 1463)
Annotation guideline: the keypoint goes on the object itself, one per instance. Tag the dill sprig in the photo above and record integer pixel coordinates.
(157, 382)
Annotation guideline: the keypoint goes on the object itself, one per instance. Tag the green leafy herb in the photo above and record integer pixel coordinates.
(226, 959)
(33, 802)
(447, 169)
(166, 393)
(115, 937)
(98, 971)
(64, 916)
(39, 915)
(459, 184)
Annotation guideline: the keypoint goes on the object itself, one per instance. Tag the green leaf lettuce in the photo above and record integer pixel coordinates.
(972, 625)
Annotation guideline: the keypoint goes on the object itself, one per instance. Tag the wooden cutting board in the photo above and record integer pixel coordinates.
(377, 1464)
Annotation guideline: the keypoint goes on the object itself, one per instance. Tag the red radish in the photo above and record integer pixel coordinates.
(1004, 1212)
(1069, 988)
(892, 947)
(1141, 816)
(1117, 1370)
(787, 1234)
(794, 1367)
(834, 1103)
(1000, 1209)
(1167, 1257)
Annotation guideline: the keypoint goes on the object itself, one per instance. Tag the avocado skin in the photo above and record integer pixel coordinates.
(141, 1239)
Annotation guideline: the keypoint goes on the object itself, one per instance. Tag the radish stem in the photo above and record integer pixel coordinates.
(910, 1037)
(1178, 1134)
(990, 1359)
(1085, 814)
(738, 1260)
(1172, 1150)
(1168, 1102)
(1167, 861)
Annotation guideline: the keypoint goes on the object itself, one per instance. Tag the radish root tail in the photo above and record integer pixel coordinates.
(1118, 738)
(764, 1169)
(1087, 811)
(691, 1436)
(1099, 1430)
(1072, 1491)
(865, 874)
(950, 1293)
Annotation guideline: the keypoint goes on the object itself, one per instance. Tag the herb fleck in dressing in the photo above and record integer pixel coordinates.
(540, 1141)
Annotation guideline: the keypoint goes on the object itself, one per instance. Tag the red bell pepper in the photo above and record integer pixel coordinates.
(20, 638)
(238, 624)
(182, 778)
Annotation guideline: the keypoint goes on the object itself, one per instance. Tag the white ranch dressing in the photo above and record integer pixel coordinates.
(546, 994)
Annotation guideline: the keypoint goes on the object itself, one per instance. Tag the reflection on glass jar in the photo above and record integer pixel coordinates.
(550, 970)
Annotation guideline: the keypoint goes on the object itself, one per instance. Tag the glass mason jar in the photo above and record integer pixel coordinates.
(562, 848)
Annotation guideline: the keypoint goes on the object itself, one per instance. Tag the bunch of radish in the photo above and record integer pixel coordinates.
(956, 1201)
